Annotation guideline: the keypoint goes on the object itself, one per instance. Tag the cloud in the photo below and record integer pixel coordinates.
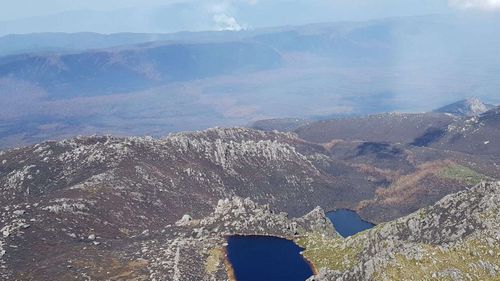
(476, 4)
(225, 22)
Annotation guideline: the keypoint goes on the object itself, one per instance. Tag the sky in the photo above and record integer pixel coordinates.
(28, 8)
(215, 14)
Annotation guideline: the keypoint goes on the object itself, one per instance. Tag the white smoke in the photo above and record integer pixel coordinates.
(224, 22)
(476, 4)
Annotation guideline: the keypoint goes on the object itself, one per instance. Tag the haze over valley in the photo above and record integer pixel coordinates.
(131, 84)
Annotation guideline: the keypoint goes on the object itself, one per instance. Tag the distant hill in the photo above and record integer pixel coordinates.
(468, 107)
(281, 125)
(135, 67)
(57, 85)
(387, 127)
(475, 135)
(70, 42)
(60, 42)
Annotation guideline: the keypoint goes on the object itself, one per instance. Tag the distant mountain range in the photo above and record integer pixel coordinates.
(56, 85)
(328, 105)
(155, 19)
(97, 73)
(53, 42)
(174, 16)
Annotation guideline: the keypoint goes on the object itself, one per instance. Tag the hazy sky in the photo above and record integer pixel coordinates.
(164, 16)
(28, 8)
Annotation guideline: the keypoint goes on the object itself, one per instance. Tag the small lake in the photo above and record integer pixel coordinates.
(347, 222)
(264, 258)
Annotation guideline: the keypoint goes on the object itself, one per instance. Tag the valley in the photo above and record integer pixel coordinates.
(60, 85)
(162, 208)
(364, 149)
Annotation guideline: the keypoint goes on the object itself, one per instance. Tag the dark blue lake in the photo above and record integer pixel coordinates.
(263, 258)
(347, 222)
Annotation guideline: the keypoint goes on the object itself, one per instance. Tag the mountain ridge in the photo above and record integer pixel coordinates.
(346, 69)
(450, 239)
(145, 206)
(468, 107)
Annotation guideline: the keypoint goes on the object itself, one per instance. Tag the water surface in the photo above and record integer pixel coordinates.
(347, 222)
(264, 258)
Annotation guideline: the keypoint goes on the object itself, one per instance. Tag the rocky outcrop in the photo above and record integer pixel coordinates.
(468, 107)
(197, 250)
(476, 135)
(65, 203)
(145, 209)
(458, 238)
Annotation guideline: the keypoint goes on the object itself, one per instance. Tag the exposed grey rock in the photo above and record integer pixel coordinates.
(130, 192)
(464, 226)
(468, 107)
(184, 221)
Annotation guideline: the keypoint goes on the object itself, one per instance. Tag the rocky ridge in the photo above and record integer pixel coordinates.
(468, 107)
(65, 203)
(476, 135)
(458, 239)
(109, 208)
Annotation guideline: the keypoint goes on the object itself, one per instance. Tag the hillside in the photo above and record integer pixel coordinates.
(101, 196)
(250, 140)
(468, 107)
(14, 44)
(153, 84)
(281, 125)
(64, 203)
(133, 68)
(474, 135)
(387, 127)
(454, 239)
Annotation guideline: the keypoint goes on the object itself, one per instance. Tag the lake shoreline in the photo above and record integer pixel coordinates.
(231, 276)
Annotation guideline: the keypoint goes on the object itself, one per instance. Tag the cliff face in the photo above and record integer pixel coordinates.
(458, 238)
